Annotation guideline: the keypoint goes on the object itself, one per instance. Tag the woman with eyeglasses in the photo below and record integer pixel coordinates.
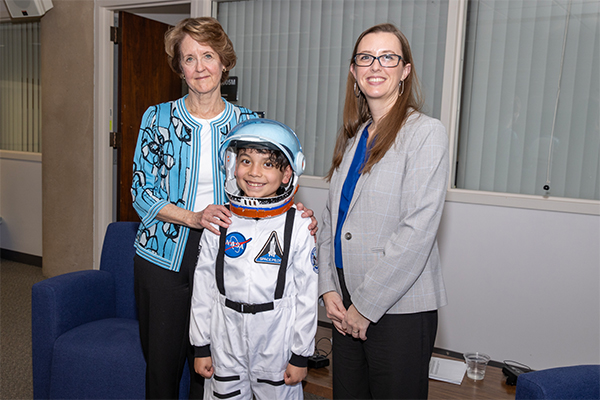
(379, 266)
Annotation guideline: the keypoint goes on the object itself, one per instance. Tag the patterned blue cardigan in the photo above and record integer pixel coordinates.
(165, 171)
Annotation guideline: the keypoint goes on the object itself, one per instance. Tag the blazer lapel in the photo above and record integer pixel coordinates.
(359, 186)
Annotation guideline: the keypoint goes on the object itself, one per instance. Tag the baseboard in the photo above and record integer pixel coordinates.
(459, 356)
(23, 258)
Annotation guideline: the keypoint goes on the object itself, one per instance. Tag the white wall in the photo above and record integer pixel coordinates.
(21, 202)
(314, 199)
(523, 285)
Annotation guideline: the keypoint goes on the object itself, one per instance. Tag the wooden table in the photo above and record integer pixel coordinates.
(493, 386)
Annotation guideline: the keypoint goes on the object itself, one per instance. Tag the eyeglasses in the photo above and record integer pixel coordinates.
(385, 60)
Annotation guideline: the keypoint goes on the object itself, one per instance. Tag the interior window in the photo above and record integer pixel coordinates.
(529, 121)
(20, 105)
(294, 58)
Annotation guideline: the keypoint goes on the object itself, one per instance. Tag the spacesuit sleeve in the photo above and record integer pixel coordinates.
(204, 294)
(305, 272)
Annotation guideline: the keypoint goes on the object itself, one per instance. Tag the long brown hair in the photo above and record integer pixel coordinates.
(356, 109)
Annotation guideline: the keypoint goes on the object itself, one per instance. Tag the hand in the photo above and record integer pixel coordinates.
(214, 215)
(308, 213)
(355, 324)
(335, 310)
(294, 375)
(203, 366)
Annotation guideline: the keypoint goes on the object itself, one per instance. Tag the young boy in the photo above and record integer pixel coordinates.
(254, 304)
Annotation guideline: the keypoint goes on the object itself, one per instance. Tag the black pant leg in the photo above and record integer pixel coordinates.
(350, 369)
(164, 300)
(398, 349)
(393, 363)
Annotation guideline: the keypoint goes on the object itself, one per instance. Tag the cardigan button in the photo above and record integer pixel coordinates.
(348, 236)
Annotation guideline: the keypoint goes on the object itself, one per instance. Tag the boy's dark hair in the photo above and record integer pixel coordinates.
(276, 156)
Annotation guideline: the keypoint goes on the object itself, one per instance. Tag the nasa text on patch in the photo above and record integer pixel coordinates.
(235, 244)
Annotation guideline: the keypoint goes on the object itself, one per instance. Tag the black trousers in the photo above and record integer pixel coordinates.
(393, 363)
(164, 299)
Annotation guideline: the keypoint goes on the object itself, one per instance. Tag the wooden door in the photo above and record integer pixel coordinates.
(144, 79)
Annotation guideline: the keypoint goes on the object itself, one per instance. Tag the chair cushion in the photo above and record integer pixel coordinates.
(99, 360)
(574, 382)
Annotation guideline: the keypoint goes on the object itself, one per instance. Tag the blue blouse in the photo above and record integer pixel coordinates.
(348, 191)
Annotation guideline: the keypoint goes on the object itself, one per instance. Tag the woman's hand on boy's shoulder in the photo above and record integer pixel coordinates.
(308, 213)
(212, 217)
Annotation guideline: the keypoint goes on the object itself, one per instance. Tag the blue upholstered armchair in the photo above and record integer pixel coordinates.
(85, 333)
(575, 382)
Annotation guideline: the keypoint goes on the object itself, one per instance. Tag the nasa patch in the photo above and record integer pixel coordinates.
(235, 244)
(314, 261)
(271, 252)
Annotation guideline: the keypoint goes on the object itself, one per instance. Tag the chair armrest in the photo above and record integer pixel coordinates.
(59, 304)
(570, 382)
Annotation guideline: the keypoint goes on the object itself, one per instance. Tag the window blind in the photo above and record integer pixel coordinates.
(294, 58)
(530, 104)
(20, 106)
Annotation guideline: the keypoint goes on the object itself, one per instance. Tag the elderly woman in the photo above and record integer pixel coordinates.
(178, 190)
(379, 266)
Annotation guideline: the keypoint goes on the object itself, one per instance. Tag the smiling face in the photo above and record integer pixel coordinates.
(380, 85)
(257, 175)
(201, 66)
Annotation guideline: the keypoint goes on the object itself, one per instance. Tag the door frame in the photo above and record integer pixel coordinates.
(103, 104)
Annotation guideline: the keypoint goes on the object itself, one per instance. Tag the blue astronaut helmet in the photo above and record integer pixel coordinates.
(261, 133)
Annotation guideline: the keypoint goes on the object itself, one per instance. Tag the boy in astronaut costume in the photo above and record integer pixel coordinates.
(254, 304)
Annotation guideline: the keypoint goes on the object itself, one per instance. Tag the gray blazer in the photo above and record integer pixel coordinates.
(390, 253)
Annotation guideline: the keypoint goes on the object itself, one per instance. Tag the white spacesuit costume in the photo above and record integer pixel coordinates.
(249, 313)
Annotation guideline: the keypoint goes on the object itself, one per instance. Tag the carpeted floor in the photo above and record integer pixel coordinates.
(16, 280)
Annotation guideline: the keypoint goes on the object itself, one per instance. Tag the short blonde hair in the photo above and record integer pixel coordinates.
(205, 30)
